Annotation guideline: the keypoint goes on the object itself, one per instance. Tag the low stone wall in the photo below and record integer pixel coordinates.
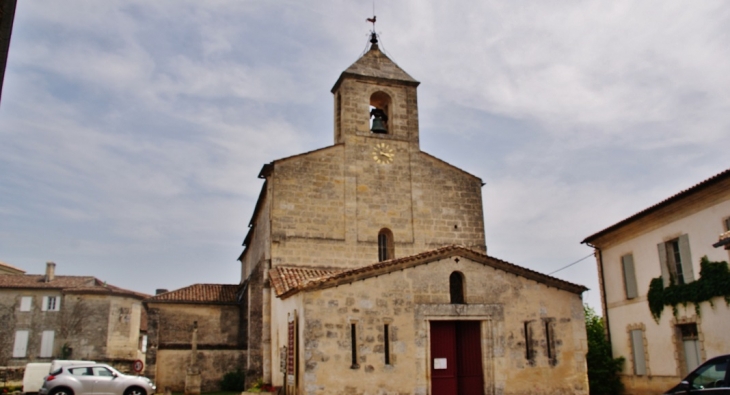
(172, 366)
(648, 385)
(11, 376)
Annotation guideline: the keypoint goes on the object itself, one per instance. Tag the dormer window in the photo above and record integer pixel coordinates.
(379, 112)
(385, 245)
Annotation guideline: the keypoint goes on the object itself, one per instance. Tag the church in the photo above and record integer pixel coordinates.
(365, 269)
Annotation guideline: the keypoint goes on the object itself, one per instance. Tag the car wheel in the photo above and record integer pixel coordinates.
(61, 391)
(135, 391)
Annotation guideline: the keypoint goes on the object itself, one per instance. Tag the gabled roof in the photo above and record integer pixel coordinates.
(199, 293)
(288, 281)
(714, 180)
(65, 284)
(377, 66)
(10, 268)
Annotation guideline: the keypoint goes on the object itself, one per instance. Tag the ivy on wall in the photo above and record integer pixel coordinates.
(714, 281)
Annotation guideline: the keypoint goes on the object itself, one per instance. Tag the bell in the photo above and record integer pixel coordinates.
(378, 126)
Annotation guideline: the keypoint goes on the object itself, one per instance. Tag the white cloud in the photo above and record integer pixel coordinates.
(136, 130)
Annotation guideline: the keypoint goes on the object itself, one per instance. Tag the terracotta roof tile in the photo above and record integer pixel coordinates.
(299, 283)
(199, 293)
(286, 278)
(66, 284)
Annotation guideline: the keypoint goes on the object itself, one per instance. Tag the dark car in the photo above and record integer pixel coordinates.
(709, 378)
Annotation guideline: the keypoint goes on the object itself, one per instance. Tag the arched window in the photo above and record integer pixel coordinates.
(456, 288)
(385, 245)
(379, 112)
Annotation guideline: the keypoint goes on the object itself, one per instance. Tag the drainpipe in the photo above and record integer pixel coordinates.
(599, 259)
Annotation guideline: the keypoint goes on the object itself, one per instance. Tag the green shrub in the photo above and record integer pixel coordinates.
(603, 369)
(713, 282)
(234, 381)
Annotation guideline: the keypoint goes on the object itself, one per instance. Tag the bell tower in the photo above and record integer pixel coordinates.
(375, 98)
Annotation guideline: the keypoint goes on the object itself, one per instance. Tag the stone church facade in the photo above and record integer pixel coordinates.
(365, 271)
(365, 268)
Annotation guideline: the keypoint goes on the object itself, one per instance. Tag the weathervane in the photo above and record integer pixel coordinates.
(373, 35)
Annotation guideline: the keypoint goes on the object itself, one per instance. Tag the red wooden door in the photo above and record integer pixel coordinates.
(443, 358)
(469, 358)
(456, 358)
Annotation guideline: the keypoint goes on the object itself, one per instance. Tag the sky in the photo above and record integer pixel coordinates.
(132, 132)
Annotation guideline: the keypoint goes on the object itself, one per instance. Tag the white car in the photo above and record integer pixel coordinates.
(94, 379)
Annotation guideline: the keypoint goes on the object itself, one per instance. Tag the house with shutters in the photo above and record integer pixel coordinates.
(47, 316)
(662, 247)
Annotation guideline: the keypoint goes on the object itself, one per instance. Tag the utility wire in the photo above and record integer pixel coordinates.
(567, 266)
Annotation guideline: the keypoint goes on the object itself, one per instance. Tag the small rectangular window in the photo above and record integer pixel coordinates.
(727, 224)
(26, 303)
(676, 261)
(529, 351)
(627, 262)
(20, 348)
(690, 346)
(550, 341)
(353, 341)
(51, 303)
(637, 348)
(386, 343)
(47, 344)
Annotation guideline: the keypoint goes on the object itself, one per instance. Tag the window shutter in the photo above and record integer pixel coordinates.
(21, 344)
(47, 344)
(686, 257)
(629, 276)
(662, 247)
(637, 346)
(44, 305)
(58, 303)
(26, 303)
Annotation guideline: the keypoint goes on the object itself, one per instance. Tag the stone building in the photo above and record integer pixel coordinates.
(664, 244)
(220, 343)
(49, 317)
(365, 268)
(365, 271)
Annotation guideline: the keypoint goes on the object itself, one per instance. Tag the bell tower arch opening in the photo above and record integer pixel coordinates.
(380, 105)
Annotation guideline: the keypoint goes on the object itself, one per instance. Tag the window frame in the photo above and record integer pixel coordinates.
(26, 304)
(638, 352)
(674, 255)
(386, 247)
(51, 303)
(628, 269)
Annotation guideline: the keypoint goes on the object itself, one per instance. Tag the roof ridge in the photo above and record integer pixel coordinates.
(661, 204)
(383, 267)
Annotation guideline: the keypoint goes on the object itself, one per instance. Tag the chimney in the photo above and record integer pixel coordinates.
(160, 291)
(50, 271)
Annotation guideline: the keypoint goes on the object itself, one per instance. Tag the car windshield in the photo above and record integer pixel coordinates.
(711, 375)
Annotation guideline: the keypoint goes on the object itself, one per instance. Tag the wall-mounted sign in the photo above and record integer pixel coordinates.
(439, 363)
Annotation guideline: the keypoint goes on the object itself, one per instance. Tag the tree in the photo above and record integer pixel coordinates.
(603, 369)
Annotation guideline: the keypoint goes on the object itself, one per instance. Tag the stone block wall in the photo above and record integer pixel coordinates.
(169, 343)
(354, 109)
(407, 301)
(329, 206)
(172, 365)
